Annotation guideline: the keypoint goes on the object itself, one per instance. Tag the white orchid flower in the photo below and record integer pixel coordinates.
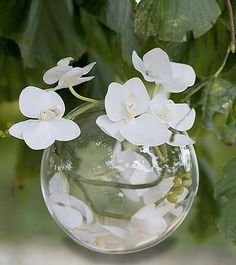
(177, 116)
(126, 106)
(65, 74)
(46, 109)
(134, 169)
(149, 220)
(156, 67)
(69, 211)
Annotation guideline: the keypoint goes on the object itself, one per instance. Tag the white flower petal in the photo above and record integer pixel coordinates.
(54, 74)
(74, 77)
(180, 139)
(67, 216)
(58, 184)
(32, 101)
(157, 64)
(136, 87)
(83, 208)
(183, 77)
(116, 231)
(154, 194)
(111, 128)
(40, 136)
(148, 221)
(115, 102)
(184, 117)
(56, 102)
(65, 61)
(88, 68)
(17, 129)
(131, 195)
(145, 130)
(138, 63)
(64, 130)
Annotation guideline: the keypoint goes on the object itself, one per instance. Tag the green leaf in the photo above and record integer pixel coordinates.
(226, 188)
(44, 30)
(118, 16)
(217, 102)
(205, 54)
(171, 20)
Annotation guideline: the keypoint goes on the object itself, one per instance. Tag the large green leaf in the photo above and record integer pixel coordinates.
(118, 15)
(44, 30)
(217, 102)
(226, 189)
(171, 20)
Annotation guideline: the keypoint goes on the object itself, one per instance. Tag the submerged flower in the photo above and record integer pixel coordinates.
(46, 109)
(68, 210)
(156, 67)
(127, 118)
(134, 169)
(65, 74)
(149, 220)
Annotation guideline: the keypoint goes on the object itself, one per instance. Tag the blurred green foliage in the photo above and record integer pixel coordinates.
(35, 34)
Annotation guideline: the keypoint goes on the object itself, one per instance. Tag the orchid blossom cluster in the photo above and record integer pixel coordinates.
(144, 118)
(137, 113)
(133, 113)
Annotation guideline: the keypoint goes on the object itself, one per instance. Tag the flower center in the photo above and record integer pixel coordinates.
(149, 69)
(131, 103)
(167, 111)
(50, 114)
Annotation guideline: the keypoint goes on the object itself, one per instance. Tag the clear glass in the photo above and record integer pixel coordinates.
(115, 180)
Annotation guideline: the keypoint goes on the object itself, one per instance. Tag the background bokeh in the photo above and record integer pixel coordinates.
(35, 34)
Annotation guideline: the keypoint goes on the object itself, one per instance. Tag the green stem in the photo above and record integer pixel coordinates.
(159, 153)
(74, 93)
(119, 185)
(81, 110)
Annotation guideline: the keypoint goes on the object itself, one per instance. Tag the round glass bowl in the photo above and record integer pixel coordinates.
(115, 197)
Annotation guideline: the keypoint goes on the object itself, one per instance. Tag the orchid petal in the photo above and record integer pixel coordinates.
(83, 208)
(158, 62)
(17, 129)
(138, 63)
(58, 184)
(148, 221)
(136, 87)
(65, 61)
(115, 102)
(116, 231)
(110, 127)
(54, 74)
(34, 100)
(184, 117)
(180, 139)
(86, 69)
(183, 77)
(64, 130)
(39, 137)
(154, 194)
(68, 216)
(145, 130)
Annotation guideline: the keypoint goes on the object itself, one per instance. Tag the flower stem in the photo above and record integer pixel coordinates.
(74, 93)
(119, 185)
(80, 110)
(159, 153)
